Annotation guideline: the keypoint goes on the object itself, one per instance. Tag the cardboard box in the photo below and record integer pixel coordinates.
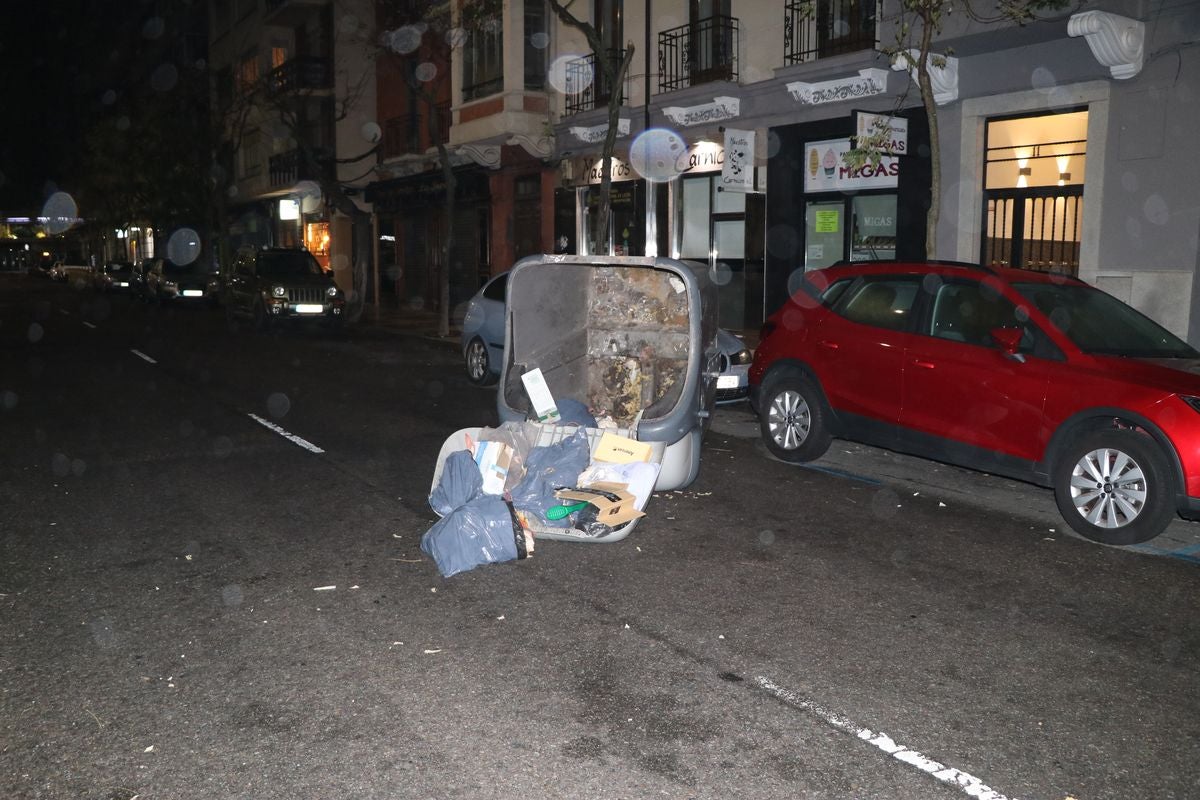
(611, 512)
(493, 459)
(621, 449)
(544, 406)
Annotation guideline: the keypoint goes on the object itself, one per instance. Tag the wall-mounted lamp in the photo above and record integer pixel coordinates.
(1063, 178)
(1026, 171)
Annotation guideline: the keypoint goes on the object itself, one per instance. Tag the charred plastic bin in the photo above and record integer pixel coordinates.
(633, 338)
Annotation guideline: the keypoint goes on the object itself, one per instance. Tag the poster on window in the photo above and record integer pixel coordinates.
(737, 173)
(826, 170)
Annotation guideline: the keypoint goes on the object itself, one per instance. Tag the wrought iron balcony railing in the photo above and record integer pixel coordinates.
(588, 85)
(300, 73)
(286, 168)
(824, 28)
(409, 133)
(703, 51)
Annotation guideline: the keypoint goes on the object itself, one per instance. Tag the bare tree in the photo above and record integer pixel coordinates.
(614, 76)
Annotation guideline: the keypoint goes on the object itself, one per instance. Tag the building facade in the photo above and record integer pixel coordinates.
(1060, 143)
(294, 96)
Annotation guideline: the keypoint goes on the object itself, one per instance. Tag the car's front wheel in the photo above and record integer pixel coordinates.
(1115, 487)
(479, 369)
(792, 418)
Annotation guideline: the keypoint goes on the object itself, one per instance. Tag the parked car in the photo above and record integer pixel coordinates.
(277, 284)
(164, 280)
(483, 344)
(1030, 375)
(114, 276)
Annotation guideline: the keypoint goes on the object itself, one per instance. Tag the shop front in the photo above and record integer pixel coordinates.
(822, 211)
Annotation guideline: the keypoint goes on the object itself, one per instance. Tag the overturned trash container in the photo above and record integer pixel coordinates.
(632, 338)
(613, 348)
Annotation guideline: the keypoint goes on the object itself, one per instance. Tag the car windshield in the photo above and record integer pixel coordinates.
(1099, 323)
(283, 264)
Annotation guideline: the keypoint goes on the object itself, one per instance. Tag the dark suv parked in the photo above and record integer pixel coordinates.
(281, 284)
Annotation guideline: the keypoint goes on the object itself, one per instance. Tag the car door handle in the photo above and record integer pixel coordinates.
(924, 364)
(828, 344)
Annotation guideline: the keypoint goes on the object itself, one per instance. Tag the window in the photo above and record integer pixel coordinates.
(483, 54)
(248, 73)
(967, 312)
(883, 303)
(536, 44)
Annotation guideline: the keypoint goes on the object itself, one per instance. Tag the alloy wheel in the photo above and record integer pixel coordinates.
(789, 419)
(1108, 488)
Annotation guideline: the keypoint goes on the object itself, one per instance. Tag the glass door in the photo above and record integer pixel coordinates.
(824, 233)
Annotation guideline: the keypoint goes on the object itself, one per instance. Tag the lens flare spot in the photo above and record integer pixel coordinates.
(654, 154)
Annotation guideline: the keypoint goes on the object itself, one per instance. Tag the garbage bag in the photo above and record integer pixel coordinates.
(460, 481)
(573, 412)
(485, 530)
(547, 467)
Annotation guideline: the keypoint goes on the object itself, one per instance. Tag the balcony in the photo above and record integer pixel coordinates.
(827, 28)
(587, 83)
(289, 167)
(703, 51)
(409, 134)
(303, 73)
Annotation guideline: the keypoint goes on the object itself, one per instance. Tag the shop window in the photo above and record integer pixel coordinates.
(873, 227)
(316, 241)
(1033, 191)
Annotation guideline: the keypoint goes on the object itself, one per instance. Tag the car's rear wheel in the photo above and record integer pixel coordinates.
(479, 369)
(1115, 487)
(792, 418)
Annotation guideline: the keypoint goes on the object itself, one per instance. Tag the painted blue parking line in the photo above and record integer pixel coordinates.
(840, 473)
(1191, 553)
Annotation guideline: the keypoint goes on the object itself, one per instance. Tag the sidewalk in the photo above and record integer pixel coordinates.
(390, 316)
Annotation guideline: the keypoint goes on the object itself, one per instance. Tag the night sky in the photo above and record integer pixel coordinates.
(58, 56)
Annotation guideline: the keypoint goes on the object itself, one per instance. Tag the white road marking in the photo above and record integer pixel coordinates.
(143, 356)
(969, 784)
(289, 436)
(88, 324)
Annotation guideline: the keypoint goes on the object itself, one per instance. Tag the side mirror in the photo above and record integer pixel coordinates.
(1009, 340)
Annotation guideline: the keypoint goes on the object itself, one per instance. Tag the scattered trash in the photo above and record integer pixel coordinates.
(941, 504)
(149, 749)
(324, 588)
(431, 652)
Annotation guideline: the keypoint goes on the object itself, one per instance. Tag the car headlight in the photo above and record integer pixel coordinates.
(170, 285)
(1191, 400)
(332, 291)
(743, 356)
(278, 291)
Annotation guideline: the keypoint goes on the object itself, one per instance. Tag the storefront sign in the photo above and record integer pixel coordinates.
(596, 133)
(825, 169)
(720, 109)
(593, 172)
(868, 82)
(700, 157)
(890, 133)
(737, 173)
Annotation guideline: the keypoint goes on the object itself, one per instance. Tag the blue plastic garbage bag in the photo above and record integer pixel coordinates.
(460, 481)
(547, 467)
(482, 531)
(573, 412)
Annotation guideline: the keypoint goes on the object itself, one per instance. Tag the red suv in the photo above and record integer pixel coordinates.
(1031, 375)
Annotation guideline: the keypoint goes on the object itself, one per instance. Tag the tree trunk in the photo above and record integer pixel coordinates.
(935, 146)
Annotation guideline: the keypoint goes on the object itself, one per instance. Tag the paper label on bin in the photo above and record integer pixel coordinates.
(621, 449)
(611, 512)
(539, 394)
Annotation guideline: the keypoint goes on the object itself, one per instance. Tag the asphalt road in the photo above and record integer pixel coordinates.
(195, 605)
